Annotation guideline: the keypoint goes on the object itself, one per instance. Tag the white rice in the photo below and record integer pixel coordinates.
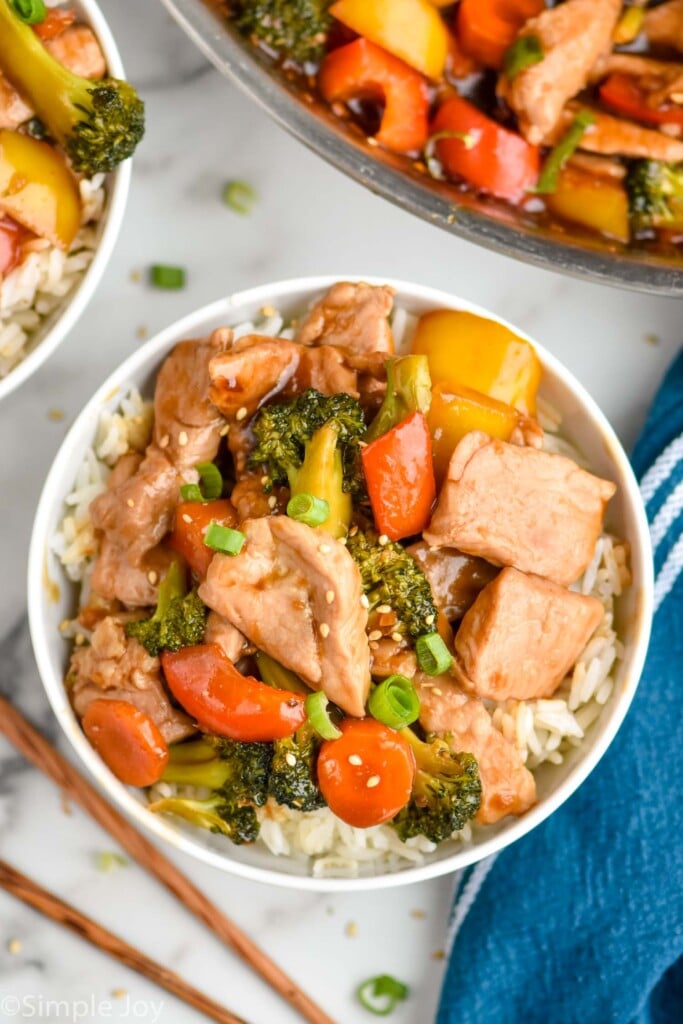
(542, 730)
(46, 279)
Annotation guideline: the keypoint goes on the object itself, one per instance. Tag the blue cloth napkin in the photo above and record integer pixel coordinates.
(581, 922)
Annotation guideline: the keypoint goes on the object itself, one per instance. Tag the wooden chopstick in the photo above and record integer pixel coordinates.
(51, 906)
(40, 752)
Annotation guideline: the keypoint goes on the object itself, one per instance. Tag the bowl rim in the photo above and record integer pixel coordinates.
(118, 185)
(52, 679)
(235, 60)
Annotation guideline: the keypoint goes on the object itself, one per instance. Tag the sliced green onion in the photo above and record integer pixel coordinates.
(308, 509)
(210, 484)
(523, 53)
(107, 860)
(191, 492)
(433, 164)
(239, 196)
(223, 539)
(33, 12)
(433, 656)
(558, 156)
(381, 994)
(317, 706)
(163, 276)
(395, 702)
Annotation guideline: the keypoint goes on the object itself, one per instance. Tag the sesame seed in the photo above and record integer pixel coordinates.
(324, 629)
(152, 576)
(185, 518)
(373, 781)
(225, 430)
(355, 759)
(142, 332)
(14, 946)
(265, 480)
(119, 993)
(79, 639)
(437, 692)
(364, 601)
(324, 549)
(268, 311)
(438, 954)
(163, 443)
(351, 929)
(375, 635)
(241, 413)
(57, 415)
(384, 609)
(397, 637)
(430, 620)
(374, 645)
(272, 501)
(64, 624)
(417, 914)
(290, 759)
(383, 539)
(329, 596)
(183, 438)
(130, 503)
(353, 531)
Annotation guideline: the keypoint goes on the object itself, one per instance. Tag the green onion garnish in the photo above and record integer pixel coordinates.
(224, 539)
(432, 162)
(527, 50)
(381, 994)
(210, 484)
(308, 509)
(163, 276)
(239, 196)
(433, 656)
(33, 12)
(395, 702)
(319, 716)
(558, 156)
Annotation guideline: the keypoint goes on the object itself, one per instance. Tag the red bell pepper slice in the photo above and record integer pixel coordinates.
(192, 519)
(362, 70)
(208, 686)
(54, 23)
(400, 478)
(623, 94)
(486, 155)
(486, 28)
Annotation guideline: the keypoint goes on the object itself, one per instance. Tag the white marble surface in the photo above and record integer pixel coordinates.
(308, 219)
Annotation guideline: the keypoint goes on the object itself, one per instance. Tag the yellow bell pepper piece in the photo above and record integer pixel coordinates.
(410, 29)
(37, 189)
(597, 203)
(453, 414)
(465, 350)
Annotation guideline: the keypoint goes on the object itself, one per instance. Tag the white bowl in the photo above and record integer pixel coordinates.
(584, 424)
(56, 327)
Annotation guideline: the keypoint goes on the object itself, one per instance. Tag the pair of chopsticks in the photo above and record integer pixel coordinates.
(40, 752)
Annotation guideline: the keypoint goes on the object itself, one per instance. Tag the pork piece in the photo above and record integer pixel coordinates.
(77, 49)
(574, 36)
(354, 316)
(508, 787)
(390, 657)
(614, 136)
(230, 640)
(522, 635)
(455, 578)
(136, 510)
(664, 25)
(117, 667)
(295, 593)
(538, 512)
(136, 586)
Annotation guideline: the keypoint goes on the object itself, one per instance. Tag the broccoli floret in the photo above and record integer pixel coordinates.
(655, 193)
(446, 791)
(293, 776)
(294, 28)
(179, 620)
(97, 123)
(409, 390)
(389, 575)
(236, 774)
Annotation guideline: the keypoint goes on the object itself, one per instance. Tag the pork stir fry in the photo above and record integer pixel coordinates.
(329, 567)
(569, 109)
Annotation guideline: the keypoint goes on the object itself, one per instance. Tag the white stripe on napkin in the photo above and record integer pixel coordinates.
(668, 513)
(661, 469)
